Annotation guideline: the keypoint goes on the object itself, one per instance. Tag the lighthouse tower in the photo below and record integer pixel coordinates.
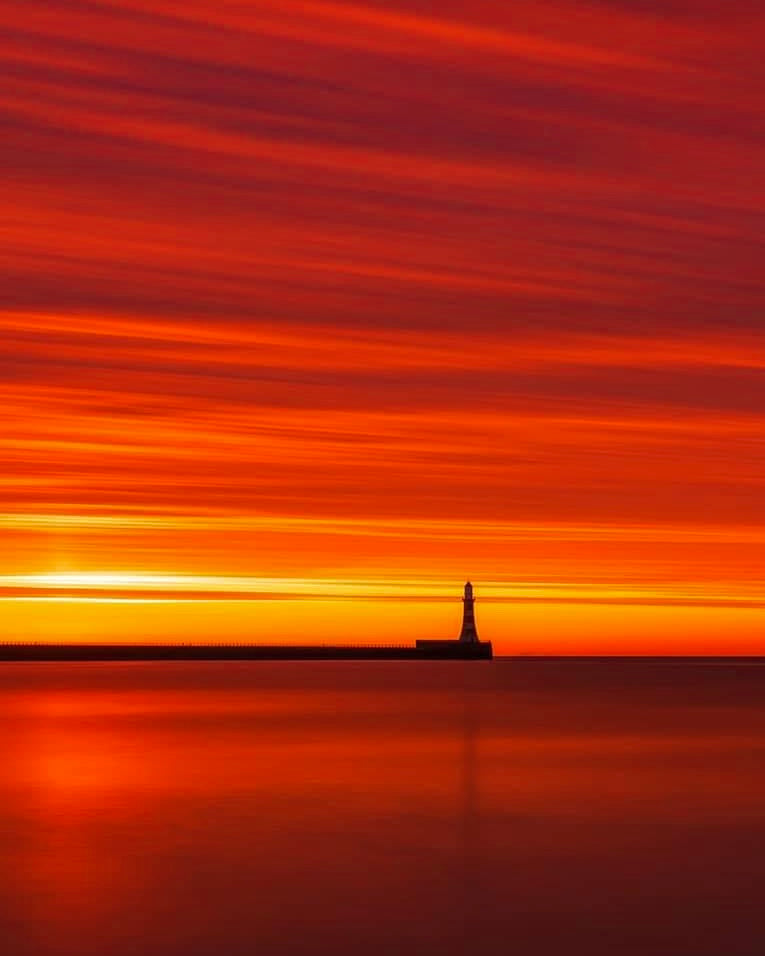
(468, 634)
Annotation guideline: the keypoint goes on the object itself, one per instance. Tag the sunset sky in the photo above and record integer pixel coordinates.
(312, 310)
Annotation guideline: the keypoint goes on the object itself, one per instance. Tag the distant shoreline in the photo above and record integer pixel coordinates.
(634, 657)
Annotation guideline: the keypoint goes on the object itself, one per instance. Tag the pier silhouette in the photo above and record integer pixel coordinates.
(466, 647)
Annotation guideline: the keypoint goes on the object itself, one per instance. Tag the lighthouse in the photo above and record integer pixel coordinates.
(468, 634)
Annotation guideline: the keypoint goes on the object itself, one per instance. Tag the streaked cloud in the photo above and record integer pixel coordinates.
(348, 292)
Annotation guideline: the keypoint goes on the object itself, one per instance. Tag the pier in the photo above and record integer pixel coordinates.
(466, 647)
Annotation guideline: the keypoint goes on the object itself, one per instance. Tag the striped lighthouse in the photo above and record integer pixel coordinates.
(469, 634)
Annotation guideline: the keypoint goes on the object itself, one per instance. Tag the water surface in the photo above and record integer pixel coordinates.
(380, 808)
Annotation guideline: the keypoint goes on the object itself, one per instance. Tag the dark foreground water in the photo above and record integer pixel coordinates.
(382, 808)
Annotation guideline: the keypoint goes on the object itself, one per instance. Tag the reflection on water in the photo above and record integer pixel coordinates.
(382, 808)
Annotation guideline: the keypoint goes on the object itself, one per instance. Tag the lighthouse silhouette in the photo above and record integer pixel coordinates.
(468, 634)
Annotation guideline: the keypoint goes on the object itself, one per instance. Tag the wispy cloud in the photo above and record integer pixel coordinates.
(345, 291)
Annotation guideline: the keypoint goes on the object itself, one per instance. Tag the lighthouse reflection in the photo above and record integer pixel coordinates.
(470, 864)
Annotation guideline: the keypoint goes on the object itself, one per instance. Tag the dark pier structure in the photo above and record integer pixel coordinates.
(466, 647)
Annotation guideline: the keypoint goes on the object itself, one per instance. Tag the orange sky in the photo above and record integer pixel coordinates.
(311, 310)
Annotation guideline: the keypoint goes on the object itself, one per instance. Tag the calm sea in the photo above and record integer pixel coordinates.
(382, 808)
